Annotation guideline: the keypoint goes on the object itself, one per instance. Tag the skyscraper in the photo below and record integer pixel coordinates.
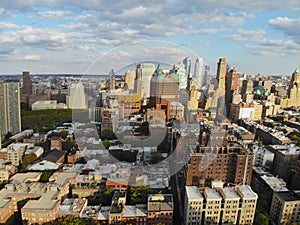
(179, 69)
(129, 79)
(27, 89)
(143, 79)
(232, 87)
(187, 66)
(164, 90)
(198, 72)
(205, 75)
(294, 89)
(111, 82)
(77, 99)
(221, 75)
(10, 112)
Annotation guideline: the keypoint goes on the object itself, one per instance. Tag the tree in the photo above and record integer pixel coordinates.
(73, 221)
(262, 219)
(106, 143)
(108, 134)
(109, 190)
(29, 158)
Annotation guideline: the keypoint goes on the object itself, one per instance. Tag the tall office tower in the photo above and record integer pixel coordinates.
(232, 87)
(144, 73)
(164, 89)
(179, 69)
(221, 75)
(10, 112)
(294, 89)
(205, 75)
(111, 82)
(27, 88)
(198, 72)
(129, 79)
(77, 99)
(187, 66)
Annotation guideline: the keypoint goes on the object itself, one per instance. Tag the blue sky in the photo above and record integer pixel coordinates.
(65, 36)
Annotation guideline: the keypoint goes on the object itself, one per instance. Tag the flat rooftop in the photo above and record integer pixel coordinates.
(46, 202)
(230, 193)
(247, 191)
(275, 183)
(212, 194)
(289, 196)
(193, 193)
(134, 211)
(160, 202)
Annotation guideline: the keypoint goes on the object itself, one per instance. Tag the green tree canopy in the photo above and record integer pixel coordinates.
(262, 219)
(73, 221)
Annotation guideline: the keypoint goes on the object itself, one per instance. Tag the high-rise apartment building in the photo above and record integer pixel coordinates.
(232, 87)
(246, 90)
(27, 88)
(10, 112)
(218, 159)
(77, 99)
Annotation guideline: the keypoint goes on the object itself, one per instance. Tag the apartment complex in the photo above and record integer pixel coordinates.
(231, 164)
(229, 205)
(285, 207)
(43, 199)
(10, 112)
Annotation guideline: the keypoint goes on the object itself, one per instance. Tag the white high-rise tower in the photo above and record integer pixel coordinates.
(77, 99)
(199, 71)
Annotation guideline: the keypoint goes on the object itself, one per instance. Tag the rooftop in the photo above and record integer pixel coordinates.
(135, 211)
(193, 193)
(44, 165)
(212, 194)
(289, 195)
(230, 193)
(275, 183)
(54, 155)
(246, 191)
(45, 102)
(72, 206)
(160, 202)
(45, 202)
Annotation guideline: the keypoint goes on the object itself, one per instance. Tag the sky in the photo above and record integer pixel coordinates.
(95, 36)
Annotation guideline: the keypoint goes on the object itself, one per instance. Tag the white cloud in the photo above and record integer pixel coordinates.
(53, 15)
(5, 13)
(7, 25)
(32, 57)
(237, 37)
(290, 27)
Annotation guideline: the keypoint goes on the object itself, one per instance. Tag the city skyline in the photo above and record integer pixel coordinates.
(59, 37)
